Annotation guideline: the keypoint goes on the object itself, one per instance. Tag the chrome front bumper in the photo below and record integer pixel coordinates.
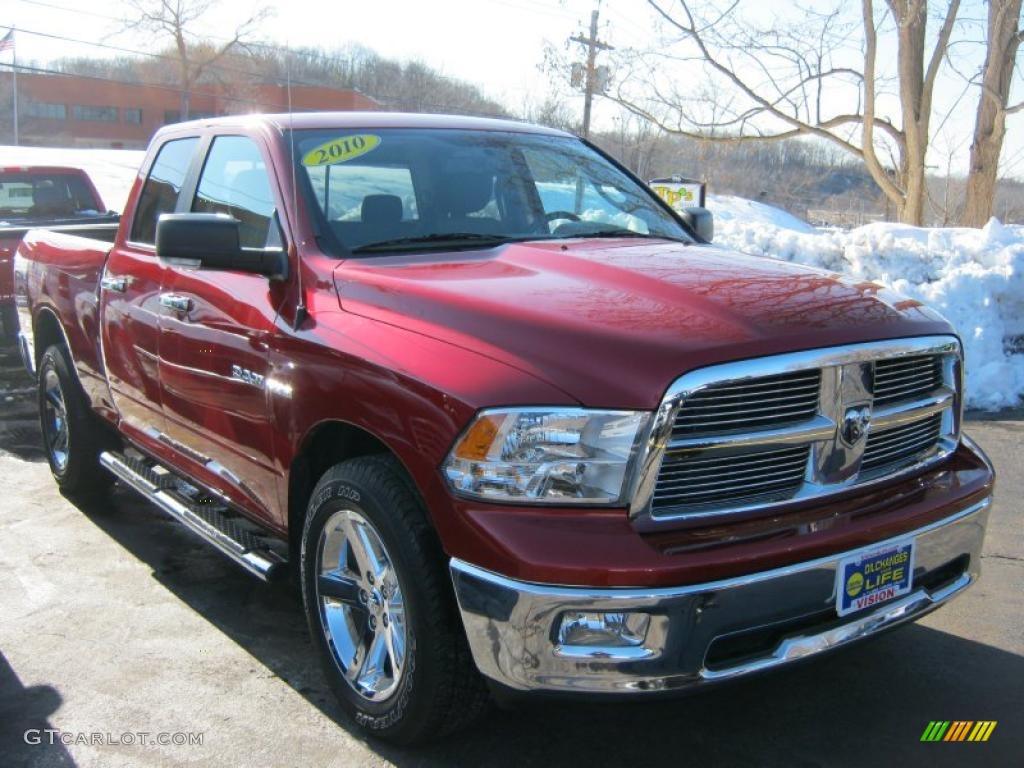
(703, 632)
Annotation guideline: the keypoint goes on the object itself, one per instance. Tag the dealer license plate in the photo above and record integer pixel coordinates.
(876, 576)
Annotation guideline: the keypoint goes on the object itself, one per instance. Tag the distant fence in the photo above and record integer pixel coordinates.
(821, 217)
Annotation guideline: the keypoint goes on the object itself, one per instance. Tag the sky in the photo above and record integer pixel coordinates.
(495, 44)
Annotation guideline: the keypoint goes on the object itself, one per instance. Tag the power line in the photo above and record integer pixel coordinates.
(310, 55)
(171, 89)
(133, 51)
(153, 86)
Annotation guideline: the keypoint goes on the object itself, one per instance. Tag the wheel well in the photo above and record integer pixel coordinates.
(328, 444)
(46, 333)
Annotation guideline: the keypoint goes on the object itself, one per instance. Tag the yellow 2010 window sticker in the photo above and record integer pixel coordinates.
(342, 149)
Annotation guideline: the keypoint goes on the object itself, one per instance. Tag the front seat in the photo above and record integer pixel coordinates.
(468, 192)
(382, 218)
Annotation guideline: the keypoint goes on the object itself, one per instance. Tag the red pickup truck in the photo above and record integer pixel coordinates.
(513, 423)
(43, 196)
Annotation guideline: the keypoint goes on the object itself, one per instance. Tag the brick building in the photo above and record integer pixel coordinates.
(73, 111)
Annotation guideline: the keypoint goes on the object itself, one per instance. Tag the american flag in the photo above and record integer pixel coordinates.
(7, 41)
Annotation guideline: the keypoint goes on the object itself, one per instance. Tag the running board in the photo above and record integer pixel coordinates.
(208, 518)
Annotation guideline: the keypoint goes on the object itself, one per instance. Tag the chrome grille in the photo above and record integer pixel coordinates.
(766, 401)
(730, 478)
(906, 378)
(896, 447)
(745, 436)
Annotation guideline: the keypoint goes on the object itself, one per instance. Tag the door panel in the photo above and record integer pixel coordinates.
(130, 295)
(214, 327)
(213, 359)
(130, 308)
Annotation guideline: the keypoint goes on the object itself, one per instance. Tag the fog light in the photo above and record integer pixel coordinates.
(612, 630)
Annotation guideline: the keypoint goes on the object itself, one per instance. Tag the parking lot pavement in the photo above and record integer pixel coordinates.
(115, 621)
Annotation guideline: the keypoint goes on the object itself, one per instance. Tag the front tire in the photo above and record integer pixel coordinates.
(72, 436)
(380, 609)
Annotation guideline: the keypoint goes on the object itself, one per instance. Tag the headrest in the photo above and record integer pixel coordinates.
(49, 196)
(466, 192)
(381, 209)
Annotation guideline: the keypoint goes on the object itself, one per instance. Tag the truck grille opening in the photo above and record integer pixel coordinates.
(906, 378)
(897, 447)
(760, 403)
(746, 645)
(748, 435)
(752, 475)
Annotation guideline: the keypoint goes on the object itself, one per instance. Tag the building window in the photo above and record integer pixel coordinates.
(94, 114)
(44, 110)
(132, 115)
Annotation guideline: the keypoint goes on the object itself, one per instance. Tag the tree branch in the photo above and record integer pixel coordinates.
(868, 141)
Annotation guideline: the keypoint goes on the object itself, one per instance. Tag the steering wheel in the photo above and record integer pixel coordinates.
(555, 215)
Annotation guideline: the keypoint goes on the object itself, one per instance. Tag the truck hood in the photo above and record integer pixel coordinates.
(613, 322)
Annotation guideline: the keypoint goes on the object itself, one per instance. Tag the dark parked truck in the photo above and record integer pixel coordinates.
(513, 424)
(43, 196)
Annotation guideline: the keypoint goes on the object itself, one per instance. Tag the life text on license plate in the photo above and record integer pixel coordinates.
(874, 576)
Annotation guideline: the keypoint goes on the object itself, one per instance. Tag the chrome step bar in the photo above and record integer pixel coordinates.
(208, 521)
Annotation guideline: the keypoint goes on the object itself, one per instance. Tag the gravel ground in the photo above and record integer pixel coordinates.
(117, 622)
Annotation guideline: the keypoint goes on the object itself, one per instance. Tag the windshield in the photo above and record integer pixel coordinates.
(405, 189)
(44, 195)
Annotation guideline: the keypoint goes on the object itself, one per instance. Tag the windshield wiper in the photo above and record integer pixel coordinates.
(610, 233)
(436, 239)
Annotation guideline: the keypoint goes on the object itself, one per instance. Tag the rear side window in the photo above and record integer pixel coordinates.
(161, 190)
(44, 195)
(235, 181)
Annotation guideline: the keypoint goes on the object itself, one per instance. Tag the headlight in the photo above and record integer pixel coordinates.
(560, 455)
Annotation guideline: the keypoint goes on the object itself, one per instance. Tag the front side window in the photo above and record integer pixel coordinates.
(162, 187)
(403, 189)
(234, 181)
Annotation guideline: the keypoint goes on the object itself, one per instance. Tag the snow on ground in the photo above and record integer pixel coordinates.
(975, 277)
(111, 170)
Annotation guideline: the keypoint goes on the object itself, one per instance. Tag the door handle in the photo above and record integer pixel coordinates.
(176, 302)
(112, 283)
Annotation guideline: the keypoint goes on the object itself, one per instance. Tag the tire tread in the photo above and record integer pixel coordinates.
(461, 696)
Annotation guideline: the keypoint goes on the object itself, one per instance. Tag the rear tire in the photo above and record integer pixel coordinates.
(380, 607)
(73, 438)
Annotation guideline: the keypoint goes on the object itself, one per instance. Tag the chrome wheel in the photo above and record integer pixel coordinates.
(362, 612)
(55, 420)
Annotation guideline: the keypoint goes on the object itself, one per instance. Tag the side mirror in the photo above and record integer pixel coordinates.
(211, 241)
(700, 221)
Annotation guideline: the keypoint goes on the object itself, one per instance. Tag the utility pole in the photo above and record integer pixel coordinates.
(14, 82)
(591, 79)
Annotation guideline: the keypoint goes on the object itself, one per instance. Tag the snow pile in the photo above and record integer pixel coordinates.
(739, 210)
(974, 277)
(111, 170)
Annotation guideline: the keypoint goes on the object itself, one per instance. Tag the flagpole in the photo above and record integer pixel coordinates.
(14, 68)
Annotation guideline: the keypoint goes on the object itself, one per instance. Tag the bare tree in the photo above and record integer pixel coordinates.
(552, 112)
(803, 79)
(1005, 34)
(176, 20)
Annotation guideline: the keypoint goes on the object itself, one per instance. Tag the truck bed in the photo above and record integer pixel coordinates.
(98, 228)
(61, 270)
